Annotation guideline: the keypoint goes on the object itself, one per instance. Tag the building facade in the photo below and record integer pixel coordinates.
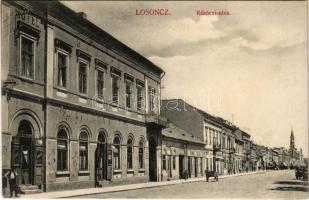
(80, 108)
(223, 154)
(181, 152)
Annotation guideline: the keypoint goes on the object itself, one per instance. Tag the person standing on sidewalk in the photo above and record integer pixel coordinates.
(12, 176)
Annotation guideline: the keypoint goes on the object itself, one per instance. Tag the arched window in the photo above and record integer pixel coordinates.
(83, 151)
(24, 128)
(130, 153)
(141, 154)
(62, 150)
(116, 144)
(101, 138)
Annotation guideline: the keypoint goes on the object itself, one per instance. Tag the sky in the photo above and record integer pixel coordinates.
(249, 67)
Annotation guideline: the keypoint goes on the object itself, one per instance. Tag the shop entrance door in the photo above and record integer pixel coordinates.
(101, 159)
(180, 168)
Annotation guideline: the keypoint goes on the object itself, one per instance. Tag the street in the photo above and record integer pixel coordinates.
(272, 184)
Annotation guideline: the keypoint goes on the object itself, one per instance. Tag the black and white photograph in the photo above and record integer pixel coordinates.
(154, 99)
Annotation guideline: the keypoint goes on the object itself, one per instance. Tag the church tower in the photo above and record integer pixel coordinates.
(292, 143)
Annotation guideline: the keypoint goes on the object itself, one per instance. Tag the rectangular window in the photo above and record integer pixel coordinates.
(117, 157)
(164, 162)
(207, 167)
(130, 158)
(140, 98)
(62, 69)
(27, 57)
(210, 136)
(83, 156)
(62, 155)
(128, 93)
(115, 88)
(100, 82)
(141, 157)
(174, 162)
(82, 77)
(206, 135)
(152, 94)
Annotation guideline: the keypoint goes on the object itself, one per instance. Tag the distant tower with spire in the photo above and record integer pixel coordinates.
(292, 140)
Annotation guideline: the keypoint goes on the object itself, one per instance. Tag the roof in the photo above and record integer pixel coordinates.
(175, 132)
(78, 21)
(213, 119)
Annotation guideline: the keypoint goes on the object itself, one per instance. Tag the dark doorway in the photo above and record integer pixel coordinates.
(169, 167)
(195, 167)
(181, 175)
(26, 153)
(101, 159)
(189, 166)
(152, 159)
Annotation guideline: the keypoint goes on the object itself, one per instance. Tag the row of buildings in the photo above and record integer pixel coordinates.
(81, 109)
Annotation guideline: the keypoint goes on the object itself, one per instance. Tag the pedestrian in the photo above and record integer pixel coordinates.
(186, 174)
(206, 175)
(12, 175)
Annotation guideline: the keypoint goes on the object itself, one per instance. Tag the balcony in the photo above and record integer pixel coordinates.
(154, 119)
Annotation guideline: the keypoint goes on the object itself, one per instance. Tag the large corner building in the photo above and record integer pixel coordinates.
(79, 108)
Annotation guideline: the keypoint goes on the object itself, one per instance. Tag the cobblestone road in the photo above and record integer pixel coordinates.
(272, 184)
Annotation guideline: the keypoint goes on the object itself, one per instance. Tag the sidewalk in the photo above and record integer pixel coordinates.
(80, 192)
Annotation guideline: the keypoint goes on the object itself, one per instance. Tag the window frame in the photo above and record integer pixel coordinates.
(164, 162)
(112, 90)
(67, 140)
(87, 63)
(130, 146)
(97, 70)
(87, 150)
(141, 145)
(67, 54)
(142, 89)
(126, 83)
(34, 44)
(119, 153)
(152, 97)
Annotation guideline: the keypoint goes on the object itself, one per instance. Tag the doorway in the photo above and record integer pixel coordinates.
(26, 153)
(189, 166)
(195, 167)
(101, 159)
(152, 159)
(180, 168)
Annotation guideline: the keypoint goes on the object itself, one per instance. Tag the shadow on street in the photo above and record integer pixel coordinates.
(291, 188)
(304, 183)
(300, 186)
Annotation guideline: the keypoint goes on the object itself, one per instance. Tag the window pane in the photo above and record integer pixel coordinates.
(116, 153)
(82, 78)
(27, 57)
(100, 82)
(62, 134)
(115, 90)
(83, 136)
(62, 69)
(139, 98)
(128, 94)
(129, 152)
